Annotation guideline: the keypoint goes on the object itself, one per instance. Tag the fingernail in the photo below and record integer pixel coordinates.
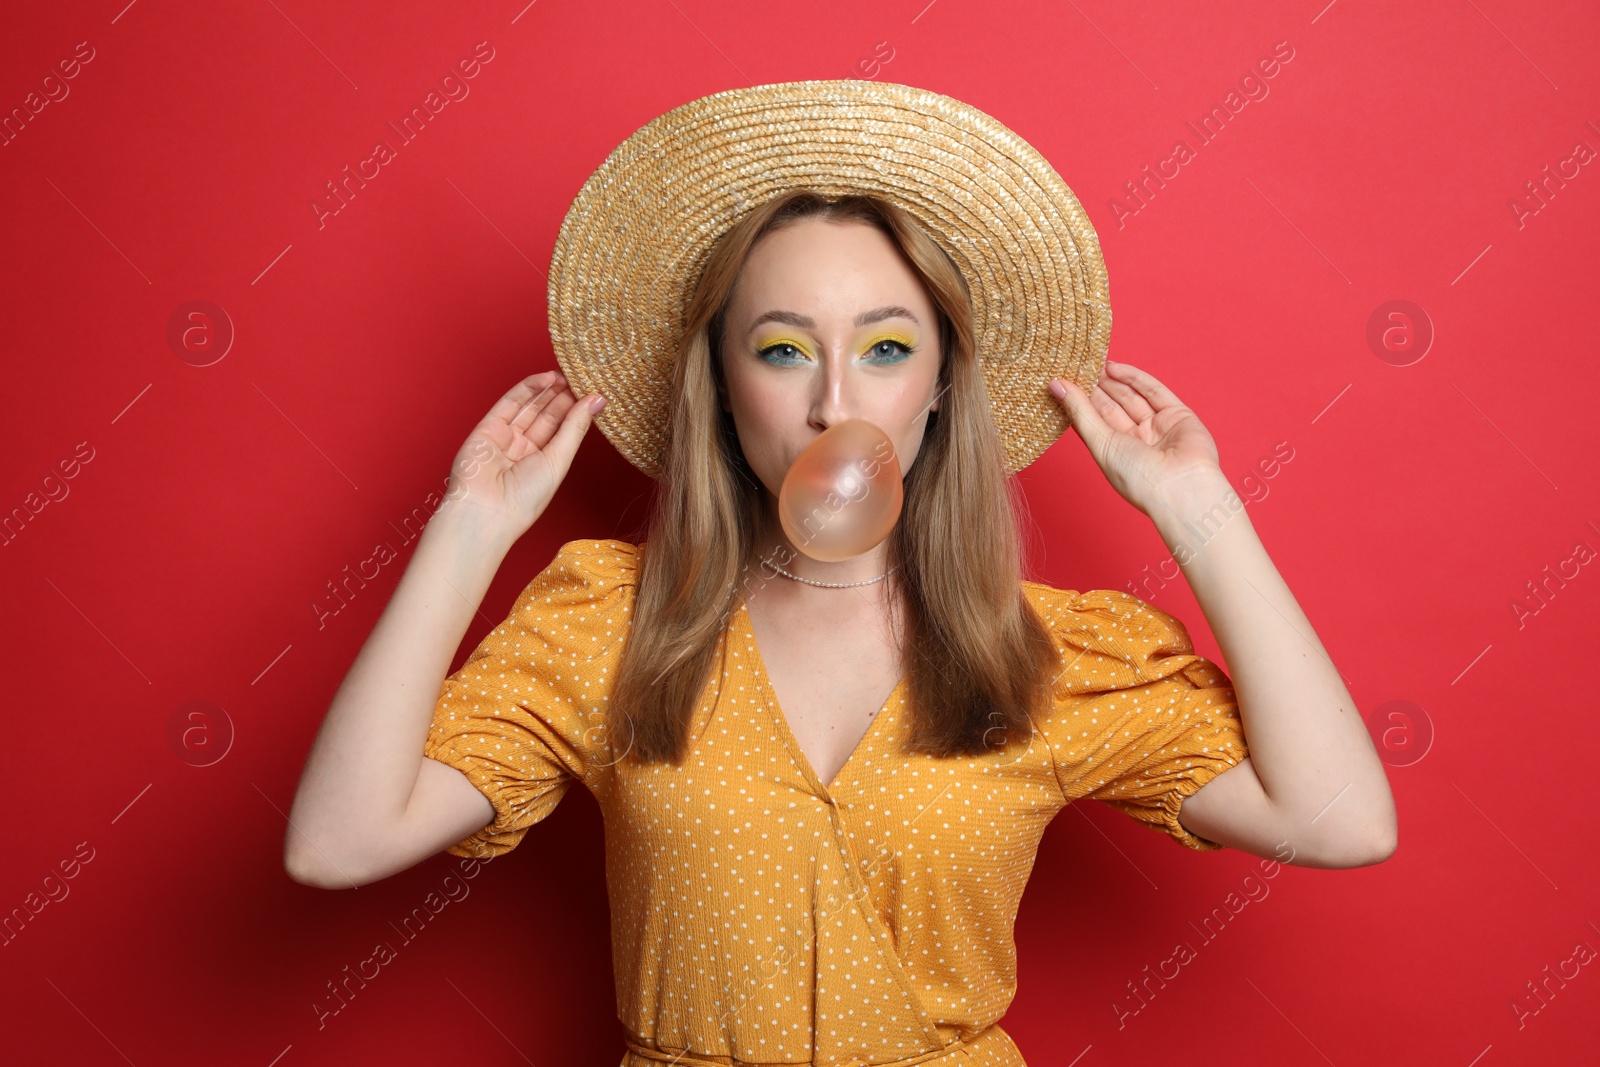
(597, 404)
(1057, 388)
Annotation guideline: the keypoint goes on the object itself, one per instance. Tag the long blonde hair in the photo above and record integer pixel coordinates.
(978, 657)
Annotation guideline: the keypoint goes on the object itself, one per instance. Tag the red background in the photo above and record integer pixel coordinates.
(183, 562)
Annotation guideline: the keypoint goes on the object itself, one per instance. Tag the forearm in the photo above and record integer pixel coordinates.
(1308, 744)
(364, 762)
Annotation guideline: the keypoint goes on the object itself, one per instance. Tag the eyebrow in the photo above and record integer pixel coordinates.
(866, 318)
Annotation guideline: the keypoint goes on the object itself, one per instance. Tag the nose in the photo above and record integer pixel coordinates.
(834, 389)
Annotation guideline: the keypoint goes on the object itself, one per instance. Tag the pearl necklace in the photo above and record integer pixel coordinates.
(835, 585)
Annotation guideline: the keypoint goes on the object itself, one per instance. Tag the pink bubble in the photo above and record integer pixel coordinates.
(843, 494)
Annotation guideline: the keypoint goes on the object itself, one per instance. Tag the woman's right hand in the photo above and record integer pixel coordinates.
(513, 462)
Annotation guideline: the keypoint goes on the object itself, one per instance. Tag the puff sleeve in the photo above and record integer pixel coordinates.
(1138, 720)
(523, 717)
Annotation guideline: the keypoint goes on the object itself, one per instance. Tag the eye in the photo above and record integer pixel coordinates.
(892, 356)
(772, 353)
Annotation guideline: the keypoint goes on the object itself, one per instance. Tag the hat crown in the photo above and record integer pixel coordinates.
(636, 238)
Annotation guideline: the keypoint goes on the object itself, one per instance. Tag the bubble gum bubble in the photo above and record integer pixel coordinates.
(843, 494)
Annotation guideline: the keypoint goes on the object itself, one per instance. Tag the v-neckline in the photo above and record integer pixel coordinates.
(786, 732)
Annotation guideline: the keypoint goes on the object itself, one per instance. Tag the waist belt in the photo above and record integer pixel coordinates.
(689, 1059)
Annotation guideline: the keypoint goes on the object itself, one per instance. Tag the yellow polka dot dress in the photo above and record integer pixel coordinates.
(759, 917)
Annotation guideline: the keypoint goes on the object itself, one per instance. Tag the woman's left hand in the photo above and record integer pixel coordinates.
(1148, 444)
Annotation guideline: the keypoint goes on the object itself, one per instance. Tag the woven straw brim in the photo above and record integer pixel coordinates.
(637, 236)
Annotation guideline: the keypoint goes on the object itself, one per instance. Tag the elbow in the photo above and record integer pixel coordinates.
(1358, 842)
(301, 869)
(319, 880)
(298, 871)
(1388, 841)
(1370, 849)
(1384, 836)
(1369, 857)
(1384, 844)
(1371, 838)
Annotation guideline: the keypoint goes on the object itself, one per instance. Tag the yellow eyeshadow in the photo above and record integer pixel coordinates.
(902, 338)
(780, 340)
(801, 346)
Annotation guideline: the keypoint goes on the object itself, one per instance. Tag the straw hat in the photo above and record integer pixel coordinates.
(639, 232)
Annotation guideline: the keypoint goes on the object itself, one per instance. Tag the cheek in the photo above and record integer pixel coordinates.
(919, 400)
(760, 401)
(761, 411)
(915, 436)
(913, 413)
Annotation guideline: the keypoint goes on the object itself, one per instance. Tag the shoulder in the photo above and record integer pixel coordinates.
(585, 573)
(599, 560)
(1102, 611)
(1110, 634)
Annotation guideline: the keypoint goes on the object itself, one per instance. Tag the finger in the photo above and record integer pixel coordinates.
(508, 407)
(1132, 401)
(1086, 422)
(564, 445)
(1157, 394)
(535, 404)
(1110, 408)
(548, 422)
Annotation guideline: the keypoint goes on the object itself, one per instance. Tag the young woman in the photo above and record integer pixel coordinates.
(824, 784)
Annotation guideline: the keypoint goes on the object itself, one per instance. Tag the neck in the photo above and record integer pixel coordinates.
(774, 547)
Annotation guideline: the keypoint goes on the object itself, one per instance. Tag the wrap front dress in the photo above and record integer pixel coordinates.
(760, 917)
